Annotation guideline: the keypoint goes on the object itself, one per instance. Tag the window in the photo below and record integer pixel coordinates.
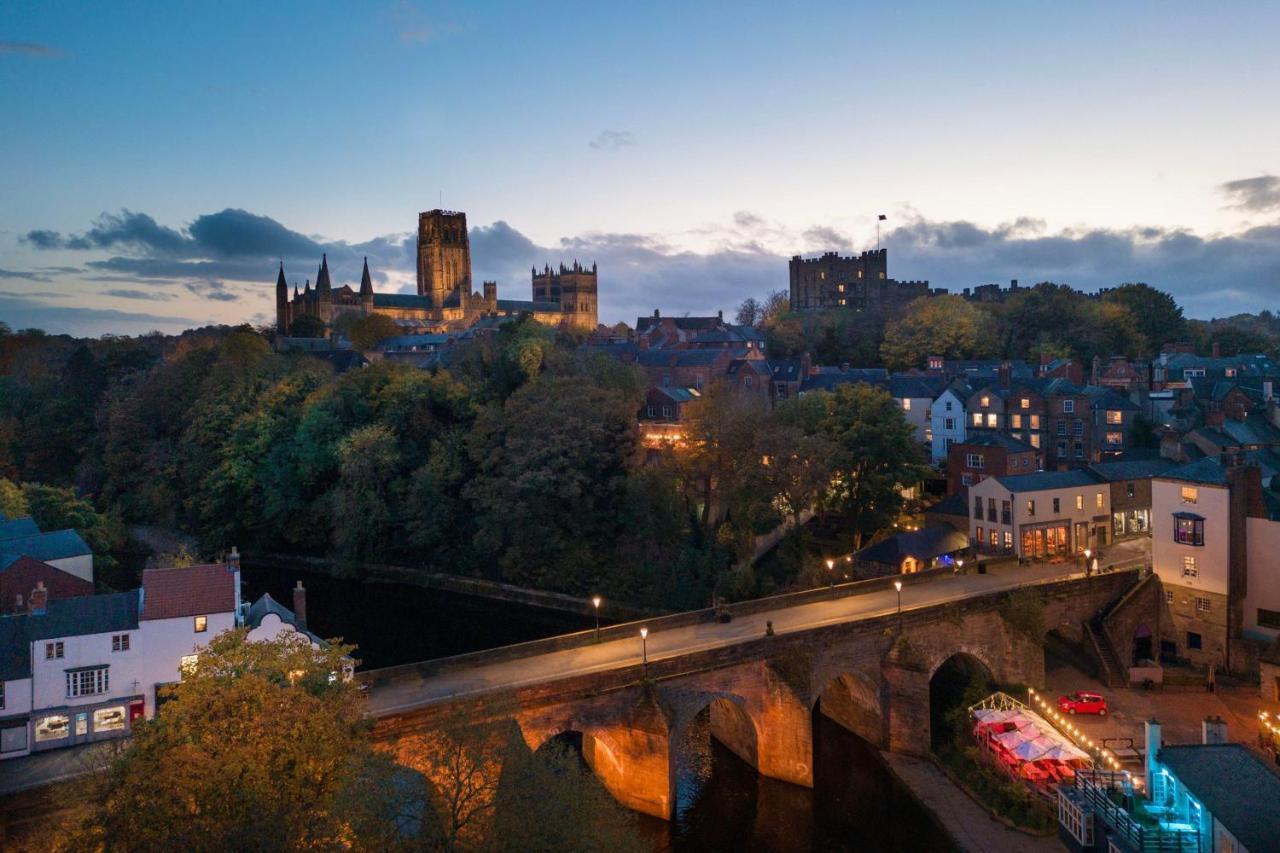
(949, 424)
(986, 401)
(977, 506)
(1035, 439)
(1193, 640)
(1008, 540)
(1192, 372)
(748, 382)
(53, 650)
(666, 380)
(991, 509)
(991, 420)
(1, 695)
(698, 379)
(947, 442)
(87, 682)
(54, 727)
(187, 663)
(1097, 500)
(1057, 505)
(1266, 619)
(1068, 407)
(1079, 501)
(1031, 507)
(119, 642)
(1188, 529)
(977, 419)
(973, 460)
(948, 404)
(1190, 494)
(109, 719)
(1130, 490)
(1025, 403)
(840, 288)
(1168, 596)
(966, 479)
(1061, 427)
(1077, 427)
(978, 534)
(1035, 422)
(1114, 418)
(906, 404)
(666, 413)
(1079, 450)
(652, 411)
(1006, 513)
(1189, 569)
(1230, 371)
(202, 622)
(1202, 605)
(1015, 421)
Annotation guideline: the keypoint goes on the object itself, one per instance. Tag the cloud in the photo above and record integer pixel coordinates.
(612, 140)
(215, 290)
(28, 48)
(150, 295)
(25, 275)
(23, 313)
(1257, 195)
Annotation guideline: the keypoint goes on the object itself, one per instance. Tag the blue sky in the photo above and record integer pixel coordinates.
(688, 148)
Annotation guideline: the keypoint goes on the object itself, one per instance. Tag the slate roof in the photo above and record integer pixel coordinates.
(643, 324)
(1239, 790)
(85, 614)
(1017, 368)
(266, 604)
(528, 305)
(1138, 469)
(957, 504)
(678, 358)
(401, 300)
(995, 438)
(410, 342)
(922, 544)
(916, 387)
(785, 370)
(189, 591)
(1112, 401)
(56, 545)
(678, 395)
(832, 377)
(12, 528)
(1206, 470)
(1043, 480)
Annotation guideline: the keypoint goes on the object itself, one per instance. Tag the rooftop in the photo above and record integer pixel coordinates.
(14, 527)
(1233, 785)
(922, 544)
(1138, 469)
(1045, 480)
(1207, 470)
(189, 591)
(994, 438)
(56, 545)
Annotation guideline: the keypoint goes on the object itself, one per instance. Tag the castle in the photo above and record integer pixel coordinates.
(862, 281)
(444, 300)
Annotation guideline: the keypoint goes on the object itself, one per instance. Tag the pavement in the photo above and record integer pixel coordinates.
(410, 690)
(55, 765)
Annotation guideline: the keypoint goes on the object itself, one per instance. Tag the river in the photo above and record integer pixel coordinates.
(856, 803)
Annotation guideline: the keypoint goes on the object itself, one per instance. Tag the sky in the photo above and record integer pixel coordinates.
(157, 160)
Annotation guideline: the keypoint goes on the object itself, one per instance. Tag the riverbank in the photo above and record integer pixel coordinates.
(971, 827)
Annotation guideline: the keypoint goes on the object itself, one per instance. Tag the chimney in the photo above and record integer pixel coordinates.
(300, 606)
(1213, 730)
(39, 599)
(233, 559)
(1151, 742)
(1004, 372)
(1217, 350)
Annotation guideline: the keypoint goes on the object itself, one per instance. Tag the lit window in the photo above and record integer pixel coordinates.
(986, 401)
(119, 642)
(1190, 494)
(992, 420)
(1031, 507)
(54, 727)
(1129, 490)
(1008, 540)
(1025, 403)
(977, 419)
(201, 624)
(979, 535)
(1098, 500)
(1202, 605)
(187, 664)
(53, 651)
(1114, 417)
(1188, 530)
(1035, 439)
(109, 719)
(1015, 421)
(1035, 422)
(906, 404)
(1079, 501)
(87, 682)
(840, 288)
(1189, 569)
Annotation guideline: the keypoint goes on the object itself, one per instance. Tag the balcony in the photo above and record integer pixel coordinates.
(1141, 828)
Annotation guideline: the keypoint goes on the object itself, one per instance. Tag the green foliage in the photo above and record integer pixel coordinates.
(950, 326)
(54, 508)
(12, 503)
(1023, 610)
(367, 332)
(307, 326)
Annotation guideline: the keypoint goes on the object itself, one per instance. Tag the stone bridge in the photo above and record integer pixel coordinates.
(871, 673)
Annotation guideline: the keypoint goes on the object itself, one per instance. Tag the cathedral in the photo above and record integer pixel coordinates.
(444, 301)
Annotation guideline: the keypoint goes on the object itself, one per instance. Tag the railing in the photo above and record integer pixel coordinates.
(1145, 838)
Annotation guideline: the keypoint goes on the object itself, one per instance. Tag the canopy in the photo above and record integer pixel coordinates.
(1011, 739)
(1022, 719)
(1030, 750)
(1062, 752)
(993, 715)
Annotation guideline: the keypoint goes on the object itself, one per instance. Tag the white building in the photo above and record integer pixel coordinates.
(948, 423)
(1039, 515)
(915, 394)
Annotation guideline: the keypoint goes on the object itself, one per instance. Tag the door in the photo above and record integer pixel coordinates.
(1082, 536)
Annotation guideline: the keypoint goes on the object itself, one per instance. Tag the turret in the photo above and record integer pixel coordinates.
(323, 285)
(366, 289)
(282, 302)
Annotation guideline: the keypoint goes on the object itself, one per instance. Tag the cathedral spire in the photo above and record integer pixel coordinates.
(366, 283)
(323, 286)
(281, 286)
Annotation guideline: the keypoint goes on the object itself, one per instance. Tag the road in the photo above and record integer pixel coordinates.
(408, 690)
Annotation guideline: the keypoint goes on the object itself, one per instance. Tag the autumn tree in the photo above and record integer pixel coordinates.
(12, 503)
(1158, 317)
(368, 332)
(307, 326)
(949, 326)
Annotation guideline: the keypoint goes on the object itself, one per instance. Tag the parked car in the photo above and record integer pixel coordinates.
(1081, 702)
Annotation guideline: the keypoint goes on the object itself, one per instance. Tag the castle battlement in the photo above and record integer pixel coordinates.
(827, 257)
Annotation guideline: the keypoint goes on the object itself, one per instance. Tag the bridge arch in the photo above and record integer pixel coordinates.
(960, 678)
(853, 700)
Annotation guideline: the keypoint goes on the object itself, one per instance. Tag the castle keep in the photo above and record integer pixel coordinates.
(859, 282)
(444, 300)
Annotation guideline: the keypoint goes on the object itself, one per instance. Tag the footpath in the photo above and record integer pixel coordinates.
(972, 827)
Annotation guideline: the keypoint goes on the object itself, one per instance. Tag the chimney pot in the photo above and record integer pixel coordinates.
(39, 600)
(233, 559)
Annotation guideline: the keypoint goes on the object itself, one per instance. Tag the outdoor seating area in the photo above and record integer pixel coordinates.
(1025, 745)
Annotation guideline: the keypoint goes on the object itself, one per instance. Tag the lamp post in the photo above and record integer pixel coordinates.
(1087, 554)
(831, 576)
(898, 586)
(644, 649)
(595, 602)
(960, 566)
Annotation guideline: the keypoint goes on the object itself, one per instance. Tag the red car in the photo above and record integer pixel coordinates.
(1083, 703)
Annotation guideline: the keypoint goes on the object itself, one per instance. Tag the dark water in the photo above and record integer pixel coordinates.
(856, 804)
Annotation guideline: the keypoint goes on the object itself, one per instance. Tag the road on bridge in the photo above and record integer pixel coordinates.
(407, 690)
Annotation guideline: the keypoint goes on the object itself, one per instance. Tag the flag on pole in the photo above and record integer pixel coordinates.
(883, 217)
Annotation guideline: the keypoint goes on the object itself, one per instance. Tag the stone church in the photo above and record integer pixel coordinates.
(444, 300)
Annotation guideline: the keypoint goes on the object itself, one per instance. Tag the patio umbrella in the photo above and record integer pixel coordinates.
(1062, 752)
(992, 715)
(1030, 750)
(1021, 719)
(1009, 740)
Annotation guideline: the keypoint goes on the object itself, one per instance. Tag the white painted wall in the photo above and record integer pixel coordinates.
(1067, 512)
(939, 415)
(164, 642)
(81, 567)
(1264, 575)
(271, 627)
(1212, 558)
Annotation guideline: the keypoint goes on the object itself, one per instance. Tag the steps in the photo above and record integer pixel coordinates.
(1110, 672)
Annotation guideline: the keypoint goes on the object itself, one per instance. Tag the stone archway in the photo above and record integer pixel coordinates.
(955, 680)
(852, 699)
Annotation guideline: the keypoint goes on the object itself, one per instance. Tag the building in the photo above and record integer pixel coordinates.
(948, 426)
(1130, 483)
(444, 298)
(989, 453)
(1046, 514)
(19, 577)
(911, 551)
(1208, 797)
(915, 394)
(859, 282)
(1213, 548)
(62, 549)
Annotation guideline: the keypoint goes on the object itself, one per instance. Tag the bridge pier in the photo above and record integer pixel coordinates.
(786, 732)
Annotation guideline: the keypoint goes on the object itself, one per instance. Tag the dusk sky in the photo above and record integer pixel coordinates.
(157, 159)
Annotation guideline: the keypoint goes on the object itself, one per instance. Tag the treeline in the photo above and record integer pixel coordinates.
(521, 463)
(1133, 320)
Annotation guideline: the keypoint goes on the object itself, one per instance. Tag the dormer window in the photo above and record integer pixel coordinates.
(1025, 403)
(986, 401)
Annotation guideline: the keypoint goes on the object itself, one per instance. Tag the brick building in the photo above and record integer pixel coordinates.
(988, 453)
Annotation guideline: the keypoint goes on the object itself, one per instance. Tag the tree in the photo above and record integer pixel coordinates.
(949, 326)
(748, 312)
(367, 332)
(775, 304)
(307, 326)
(1158, 317)
(368, 459)
(12, 503)
(875, 454)
(258, 747)
(55, 508)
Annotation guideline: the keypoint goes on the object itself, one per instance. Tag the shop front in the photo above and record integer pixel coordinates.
(1045, 540)
(69, 726)
(1131, 522)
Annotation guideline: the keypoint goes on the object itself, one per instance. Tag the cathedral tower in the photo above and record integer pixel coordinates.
(444, 257)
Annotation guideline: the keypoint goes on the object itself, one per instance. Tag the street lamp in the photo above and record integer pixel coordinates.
(831, 575)
(595, 602)
(644, 648)
(1087, 554)
(898, 586)
(960, 565)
